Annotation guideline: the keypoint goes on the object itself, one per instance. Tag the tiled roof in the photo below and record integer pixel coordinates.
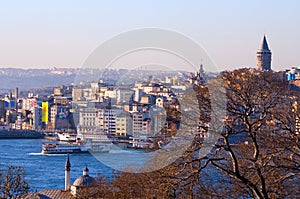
(49, 194)
(84, 180)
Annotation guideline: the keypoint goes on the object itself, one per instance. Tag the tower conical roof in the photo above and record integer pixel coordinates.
(264, 44)
(68, 164)
(85, 171)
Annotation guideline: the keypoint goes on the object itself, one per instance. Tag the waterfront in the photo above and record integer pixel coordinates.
(47, 171)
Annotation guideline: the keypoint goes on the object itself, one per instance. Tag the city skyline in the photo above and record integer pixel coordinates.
(149, 99)
(63, 34)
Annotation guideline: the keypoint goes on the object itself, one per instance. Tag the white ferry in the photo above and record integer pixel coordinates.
(63, 148)
(96, 142)
(78, 147)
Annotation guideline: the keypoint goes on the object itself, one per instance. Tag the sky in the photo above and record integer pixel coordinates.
(63, 33)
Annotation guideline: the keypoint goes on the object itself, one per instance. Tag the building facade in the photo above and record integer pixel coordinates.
(123, 124)
(88, 119)
(107, 121)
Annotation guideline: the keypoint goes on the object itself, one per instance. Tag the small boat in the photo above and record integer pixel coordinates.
(67, 137)
(140, 142)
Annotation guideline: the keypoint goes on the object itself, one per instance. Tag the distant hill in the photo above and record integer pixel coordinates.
(32, 78)
(11, 78)
(26, 79)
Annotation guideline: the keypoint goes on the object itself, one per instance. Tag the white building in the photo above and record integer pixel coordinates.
(158, 119)
(28, 103)
(138, 93)
(107, 120)
(88, 119)
(124, 95)
(111, 93)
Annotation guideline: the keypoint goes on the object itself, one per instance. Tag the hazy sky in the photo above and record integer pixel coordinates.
(62, 33)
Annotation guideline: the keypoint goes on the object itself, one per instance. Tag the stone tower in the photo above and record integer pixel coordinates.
(264, 56)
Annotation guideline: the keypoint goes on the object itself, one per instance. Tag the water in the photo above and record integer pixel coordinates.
(47, 171)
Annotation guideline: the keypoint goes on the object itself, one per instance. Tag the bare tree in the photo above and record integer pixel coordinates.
(257, 155)
(12, 182)
(260, 151)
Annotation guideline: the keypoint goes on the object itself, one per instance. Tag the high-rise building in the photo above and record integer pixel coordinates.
(264, 56)
(141, 123)
(37, 117)
(137, 123)
(107, 120)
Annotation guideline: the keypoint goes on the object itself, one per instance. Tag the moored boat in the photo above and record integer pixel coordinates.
(140, 142)
(96, 147)
(67, 137)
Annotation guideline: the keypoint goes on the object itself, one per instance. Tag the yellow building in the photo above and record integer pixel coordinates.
(123, 124)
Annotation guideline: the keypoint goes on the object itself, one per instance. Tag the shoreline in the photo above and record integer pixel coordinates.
(21, 134)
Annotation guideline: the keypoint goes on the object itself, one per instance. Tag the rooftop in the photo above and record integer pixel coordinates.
(49, 194)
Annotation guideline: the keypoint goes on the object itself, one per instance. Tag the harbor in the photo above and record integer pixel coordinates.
(46, 171)
(64, 143)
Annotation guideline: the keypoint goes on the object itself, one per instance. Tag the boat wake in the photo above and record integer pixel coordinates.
(127, 151)
(118, 151)
(41, 154)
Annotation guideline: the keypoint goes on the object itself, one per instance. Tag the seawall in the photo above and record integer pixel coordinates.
(20, 134)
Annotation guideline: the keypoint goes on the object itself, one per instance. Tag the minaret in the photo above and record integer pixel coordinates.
(85, 171)
(67, 175)
(201, 75)
(264, 56)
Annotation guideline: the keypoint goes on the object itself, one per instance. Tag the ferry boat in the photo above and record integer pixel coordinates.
(96, 147)
(97, 142)
(65, 148)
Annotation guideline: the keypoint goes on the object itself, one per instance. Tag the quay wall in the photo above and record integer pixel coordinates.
(20, 134)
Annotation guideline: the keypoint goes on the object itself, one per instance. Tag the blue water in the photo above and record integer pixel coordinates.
(47, 171)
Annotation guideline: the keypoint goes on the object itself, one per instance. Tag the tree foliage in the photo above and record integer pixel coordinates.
(257, 155)
(12, 182)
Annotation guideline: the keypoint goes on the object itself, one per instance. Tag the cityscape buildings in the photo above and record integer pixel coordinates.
(141, 109)
(115, 110)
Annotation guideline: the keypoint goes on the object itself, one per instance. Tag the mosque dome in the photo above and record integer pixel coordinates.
(85, 180)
